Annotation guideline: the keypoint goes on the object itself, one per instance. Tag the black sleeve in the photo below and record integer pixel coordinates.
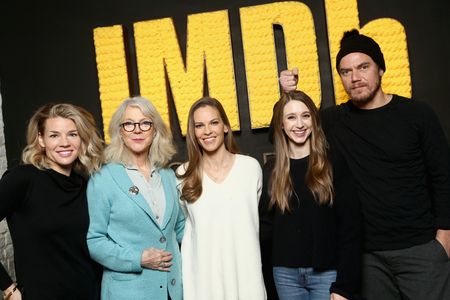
(265, 214)
(349, 230)
(329, 117)
(13, 188)
(5, 280)
(436, 151)
(265, 232)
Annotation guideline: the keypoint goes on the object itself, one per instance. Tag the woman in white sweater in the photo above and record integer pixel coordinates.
(220, 193)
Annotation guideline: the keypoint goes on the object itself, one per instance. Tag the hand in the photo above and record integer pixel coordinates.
(156, 259)
(335, 296)
(443, 237)
(16, 295)
(289, 80)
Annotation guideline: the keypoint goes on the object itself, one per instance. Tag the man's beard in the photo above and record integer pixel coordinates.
(363, 99)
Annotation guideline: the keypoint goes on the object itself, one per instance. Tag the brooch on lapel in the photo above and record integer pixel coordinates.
(134, 190)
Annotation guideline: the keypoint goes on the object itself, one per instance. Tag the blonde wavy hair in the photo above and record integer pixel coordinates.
(192, 178)
(90, 157)
(161, 149)
(319, 177)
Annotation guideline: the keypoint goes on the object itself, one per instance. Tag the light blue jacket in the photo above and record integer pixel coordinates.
(122, 225)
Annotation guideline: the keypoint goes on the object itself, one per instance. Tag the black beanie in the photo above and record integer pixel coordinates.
(353, 41)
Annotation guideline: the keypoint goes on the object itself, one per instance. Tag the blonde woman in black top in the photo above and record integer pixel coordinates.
(44, 203)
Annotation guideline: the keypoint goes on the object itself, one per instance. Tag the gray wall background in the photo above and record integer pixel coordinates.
(6, 249)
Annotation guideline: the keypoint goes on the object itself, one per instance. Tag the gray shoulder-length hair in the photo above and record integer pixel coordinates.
(161, 149)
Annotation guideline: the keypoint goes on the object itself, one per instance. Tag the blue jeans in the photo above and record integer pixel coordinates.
(303, 283)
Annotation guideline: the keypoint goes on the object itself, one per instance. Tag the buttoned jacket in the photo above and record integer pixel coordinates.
(122, 226)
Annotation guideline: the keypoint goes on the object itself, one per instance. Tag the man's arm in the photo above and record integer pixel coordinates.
(437, 160)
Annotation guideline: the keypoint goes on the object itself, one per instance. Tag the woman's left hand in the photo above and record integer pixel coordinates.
(156, 259)
(335, 296)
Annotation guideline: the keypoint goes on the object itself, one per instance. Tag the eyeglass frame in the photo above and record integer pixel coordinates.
(134, 126)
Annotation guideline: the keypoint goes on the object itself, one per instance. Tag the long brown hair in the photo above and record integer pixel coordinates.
(319, 177)
(192, 177)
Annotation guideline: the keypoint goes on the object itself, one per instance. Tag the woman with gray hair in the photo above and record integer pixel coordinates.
(135, 219)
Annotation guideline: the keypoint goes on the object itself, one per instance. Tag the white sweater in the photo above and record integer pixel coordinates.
(220, 250)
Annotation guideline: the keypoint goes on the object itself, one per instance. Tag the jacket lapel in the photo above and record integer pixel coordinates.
(169, 187)
(125, 184)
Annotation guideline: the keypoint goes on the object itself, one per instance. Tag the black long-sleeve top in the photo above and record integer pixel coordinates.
(320, 236)
(48, 220)
(399, 157)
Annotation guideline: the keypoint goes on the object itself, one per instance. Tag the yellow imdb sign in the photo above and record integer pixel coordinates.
(209, 49)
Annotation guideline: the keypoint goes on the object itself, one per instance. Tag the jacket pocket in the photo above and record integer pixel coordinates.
(119, 276)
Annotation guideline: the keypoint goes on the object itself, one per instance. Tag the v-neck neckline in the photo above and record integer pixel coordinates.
(226, 176)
